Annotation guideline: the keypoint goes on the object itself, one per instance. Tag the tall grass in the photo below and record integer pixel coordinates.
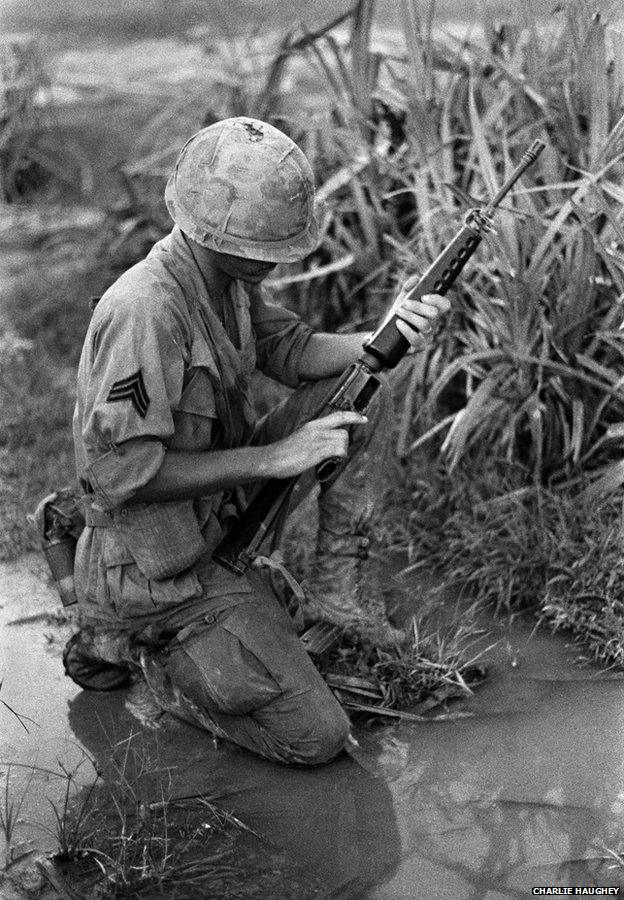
(525, 377)
(529, 366)
(555, 553)
(404, 142)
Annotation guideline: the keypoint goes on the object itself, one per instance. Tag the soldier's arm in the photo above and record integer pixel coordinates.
(131, 381)
(281, 338)
(183, 475)
(325, 355)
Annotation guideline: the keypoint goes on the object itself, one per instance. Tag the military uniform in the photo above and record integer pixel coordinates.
(160, 371)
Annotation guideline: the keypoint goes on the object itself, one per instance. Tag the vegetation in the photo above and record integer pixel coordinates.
(509, 430)
(524, 381)
(48, 313)
(553, 552)
(10, 808)
(113, 842)
(528, 368)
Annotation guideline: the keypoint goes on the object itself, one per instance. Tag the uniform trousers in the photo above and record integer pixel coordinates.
(242, 672)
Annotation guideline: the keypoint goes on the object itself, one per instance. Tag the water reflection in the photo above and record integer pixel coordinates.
(527, 793)
(337, 822)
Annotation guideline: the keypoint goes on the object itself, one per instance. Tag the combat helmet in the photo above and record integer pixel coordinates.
(241, 186)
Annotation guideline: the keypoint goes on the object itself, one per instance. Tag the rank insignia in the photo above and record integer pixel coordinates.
(132, 389)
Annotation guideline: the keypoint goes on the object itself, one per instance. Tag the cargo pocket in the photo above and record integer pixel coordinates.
(89, 570)
(132, 593)
(223, 668)
(163, 539)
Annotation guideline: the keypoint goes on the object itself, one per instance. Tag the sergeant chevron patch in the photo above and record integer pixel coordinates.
(132, 389)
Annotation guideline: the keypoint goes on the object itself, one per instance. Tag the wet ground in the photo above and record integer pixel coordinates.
(34, 730)
(527, 790)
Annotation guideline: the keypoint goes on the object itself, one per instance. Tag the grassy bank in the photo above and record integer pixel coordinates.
(511, 548)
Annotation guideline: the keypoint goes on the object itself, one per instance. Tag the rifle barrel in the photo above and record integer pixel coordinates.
(527, 160)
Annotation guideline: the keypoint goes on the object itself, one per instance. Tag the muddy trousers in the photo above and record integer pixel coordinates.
(244, 676)
(243, 673)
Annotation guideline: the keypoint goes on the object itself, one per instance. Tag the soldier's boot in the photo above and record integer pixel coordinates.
(98, 660)
(346, 577)
(347, 590)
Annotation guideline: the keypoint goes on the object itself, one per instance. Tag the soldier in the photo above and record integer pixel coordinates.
(167, 440)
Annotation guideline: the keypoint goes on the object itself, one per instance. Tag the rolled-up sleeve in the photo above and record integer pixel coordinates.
(130, 380)
(281, 338)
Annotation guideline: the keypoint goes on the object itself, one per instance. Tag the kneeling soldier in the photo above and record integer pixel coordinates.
(167, 440)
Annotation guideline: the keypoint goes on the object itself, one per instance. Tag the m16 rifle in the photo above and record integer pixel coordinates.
(358, 385)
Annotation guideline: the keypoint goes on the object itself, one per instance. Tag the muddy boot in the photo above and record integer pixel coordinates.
(346, 588)
(98, 661)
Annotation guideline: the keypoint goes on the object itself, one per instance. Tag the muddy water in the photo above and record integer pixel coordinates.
(526, 791)
(34, 686)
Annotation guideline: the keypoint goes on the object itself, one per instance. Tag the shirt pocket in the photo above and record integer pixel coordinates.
(195, 419)
(163, 539)
(131, 593)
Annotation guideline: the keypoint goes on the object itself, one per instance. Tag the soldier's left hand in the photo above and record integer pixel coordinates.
(418, 317)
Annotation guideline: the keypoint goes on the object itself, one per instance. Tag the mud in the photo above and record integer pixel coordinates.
(528, 791)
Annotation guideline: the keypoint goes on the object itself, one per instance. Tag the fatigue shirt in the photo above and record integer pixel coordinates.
(159, 371)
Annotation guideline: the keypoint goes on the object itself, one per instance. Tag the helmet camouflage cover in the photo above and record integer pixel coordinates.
(243, 187)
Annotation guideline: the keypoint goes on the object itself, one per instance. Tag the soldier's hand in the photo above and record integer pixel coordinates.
(312, 443)
(418, 317)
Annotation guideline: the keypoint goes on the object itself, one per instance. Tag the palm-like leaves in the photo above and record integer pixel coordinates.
(530, 364)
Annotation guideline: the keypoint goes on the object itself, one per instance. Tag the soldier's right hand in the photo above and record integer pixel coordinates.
(313, 442)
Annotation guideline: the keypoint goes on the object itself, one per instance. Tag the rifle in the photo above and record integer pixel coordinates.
(358, 384)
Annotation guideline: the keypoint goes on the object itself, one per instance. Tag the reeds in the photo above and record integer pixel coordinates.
(529, 365)
(404, 140)
(11, 803)
(555, 553)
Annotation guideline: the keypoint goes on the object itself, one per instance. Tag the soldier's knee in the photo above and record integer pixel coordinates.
(332, 738)
(324, 736)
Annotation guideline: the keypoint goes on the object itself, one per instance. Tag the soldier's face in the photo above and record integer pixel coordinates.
(252, 271)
